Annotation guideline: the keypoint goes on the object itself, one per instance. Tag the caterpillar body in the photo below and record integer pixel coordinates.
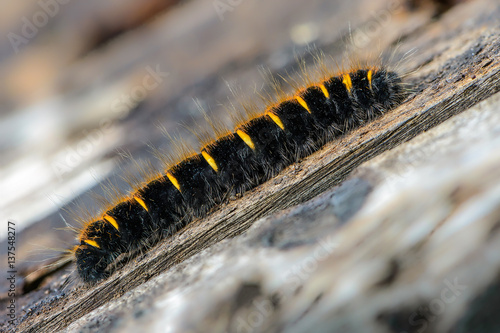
(236, 162)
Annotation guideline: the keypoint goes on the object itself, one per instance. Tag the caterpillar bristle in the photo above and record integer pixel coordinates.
(180, 149)
(216, 129)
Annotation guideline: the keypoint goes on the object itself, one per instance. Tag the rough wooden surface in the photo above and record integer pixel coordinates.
(456, 66)
(417, 252)
(407, 244)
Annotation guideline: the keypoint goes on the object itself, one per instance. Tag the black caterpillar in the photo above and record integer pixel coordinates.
(234, 163)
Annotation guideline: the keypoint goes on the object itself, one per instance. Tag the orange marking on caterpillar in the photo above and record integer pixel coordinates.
(369, 77)
(111, 221)
(347, 82)
(210, 160)
(276, 119)
(91, 243)
(246, 138)
(141, 202)
(325, 92)
(174, 181)
(303, 103)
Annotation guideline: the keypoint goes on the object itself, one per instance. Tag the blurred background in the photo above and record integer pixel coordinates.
(85, 81)
(89, 87)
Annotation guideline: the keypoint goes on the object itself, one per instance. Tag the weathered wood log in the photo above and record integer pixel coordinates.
(452, 74)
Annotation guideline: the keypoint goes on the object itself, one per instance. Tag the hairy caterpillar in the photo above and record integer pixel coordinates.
(236, 162)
